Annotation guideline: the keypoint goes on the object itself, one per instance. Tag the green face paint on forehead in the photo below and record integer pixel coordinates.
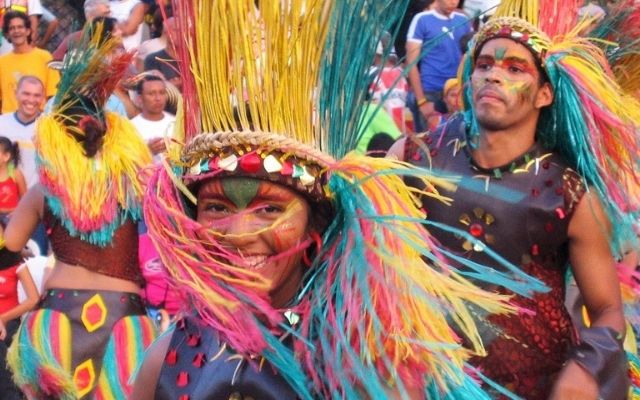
(240, 191)
(500, 52)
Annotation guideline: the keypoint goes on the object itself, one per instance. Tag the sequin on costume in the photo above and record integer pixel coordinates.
(521, 210)
(195, 352)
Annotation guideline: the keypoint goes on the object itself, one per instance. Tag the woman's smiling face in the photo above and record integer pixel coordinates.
(264, 227)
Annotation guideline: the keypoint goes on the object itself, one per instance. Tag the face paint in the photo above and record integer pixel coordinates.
(263, 226)
(240, 191)
(505, 85)
(512, 65)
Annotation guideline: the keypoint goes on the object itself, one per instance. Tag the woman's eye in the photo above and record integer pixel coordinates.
(216, 207)
(270, 209)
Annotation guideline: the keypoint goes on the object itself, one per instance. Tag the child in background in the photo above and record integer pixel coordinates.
(451, 98)
(12, 268)
(12, 183)
(12, 271)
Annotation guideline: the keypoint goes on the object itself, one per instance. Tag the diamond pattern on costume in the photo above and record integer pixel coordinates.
(84, 377)
(94, 313)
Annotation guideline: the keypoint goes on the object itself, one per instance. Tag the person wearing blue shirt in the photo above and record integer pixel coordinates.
(436, 32)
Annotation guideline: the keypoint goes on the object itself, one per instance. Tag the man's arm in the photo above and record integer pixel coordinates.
(594, 270)
(415, 38)
(414, 48)
(131, 24)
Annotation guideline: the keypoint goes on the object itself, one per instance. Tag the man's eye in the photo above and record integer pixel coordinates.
(483, 66)
(515, 69)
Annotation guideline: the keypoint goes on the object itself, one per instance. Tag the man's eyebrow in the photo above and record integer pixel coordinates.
(517, 59)
(488, 57)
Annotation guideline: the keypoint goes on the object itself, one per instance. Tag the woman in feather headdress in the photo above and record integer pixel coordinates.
(90, 328)
(306, 272)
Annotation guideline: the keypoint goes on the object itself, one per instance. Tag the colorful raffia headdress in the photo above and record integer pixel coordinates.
(618, 34)
(274, 90)
(93, 189)
(592, 122)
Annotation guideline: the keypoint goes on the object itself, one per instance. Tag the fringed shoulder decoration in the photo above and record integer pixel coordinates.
(92, 197)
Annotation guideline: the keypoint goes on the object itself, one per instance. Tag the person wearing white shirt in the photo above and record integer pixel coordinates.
(153, 123)
(130, 15)
(19, 126)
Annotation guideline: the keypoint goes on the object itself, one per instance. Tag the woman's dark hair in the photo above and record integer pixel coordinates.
(12, 15)
(108, 24)
(13, 148)
(86, 124)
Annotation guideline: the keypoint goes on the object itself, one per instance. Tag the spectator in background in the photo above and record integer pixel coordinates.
(480, 10)
(92, 9)
(452, 99)
(159, 40)
(415, 6)
(130, 16)
(25, 59)
(12, 184)
(51, 24)
(69, 20)
(32, 8)
(153, 123)
(13, 270)
(119, 101)
(441, 29)
(20, 127)
(165, 60)
(389, 86)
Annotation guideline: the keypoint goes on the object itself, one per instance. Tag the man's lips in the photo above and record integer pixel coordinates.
(490, 94)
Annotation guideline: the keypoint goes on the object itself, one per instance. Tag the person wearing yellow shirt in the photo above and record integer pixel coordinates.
(25, 59)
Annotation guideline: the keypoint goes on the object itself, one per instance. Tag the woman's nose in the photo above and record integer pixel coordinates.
(242, 229)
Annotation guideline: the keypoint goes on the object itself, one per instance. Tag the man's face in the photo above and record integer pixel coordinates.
(446, 7)
(18, 32)
(153, 98)
(30, 97)
(506, 86)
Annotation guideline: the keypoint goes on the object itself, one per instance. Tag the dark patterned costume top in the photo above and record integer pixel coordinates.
(198, 366)
(118, 260)
(522, 211)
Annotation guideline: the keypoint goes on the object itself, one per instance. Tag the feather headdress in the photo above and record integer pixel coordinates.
(592, 122)
(278, 95)
(91, 195)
